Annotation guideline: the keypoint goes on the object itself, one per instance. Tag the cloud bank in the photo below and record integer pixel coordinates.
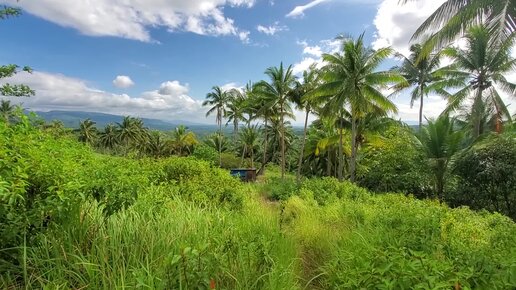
(132, 19)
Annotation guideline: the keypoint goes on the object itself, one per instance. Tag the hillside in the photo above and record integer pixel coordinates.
(73, 218)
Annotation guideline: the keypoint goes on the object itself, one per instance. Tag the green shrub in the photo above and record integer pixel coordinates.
(395, 165)
(487, 176)
(207, 153)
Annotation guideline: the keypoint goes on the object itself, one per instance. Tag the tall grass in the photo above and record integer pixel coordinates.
(175, 245)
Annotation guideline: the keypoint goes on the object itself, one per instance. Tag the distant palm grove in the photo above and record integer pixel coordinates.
(355, 199)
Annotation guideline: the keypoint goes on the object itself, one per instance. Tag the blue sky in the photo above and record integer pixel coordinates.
(159, 58)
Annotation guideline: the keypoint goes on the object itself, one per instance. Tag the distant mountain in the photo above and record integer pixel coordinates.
(72, 119)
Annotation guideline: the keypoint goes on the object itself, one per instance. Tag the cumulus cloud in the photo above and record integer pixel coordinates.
(313, 54)
(396, 23)
(271, 29)
(299, 11)
(123, 82)
(59, 92)
(132, 18)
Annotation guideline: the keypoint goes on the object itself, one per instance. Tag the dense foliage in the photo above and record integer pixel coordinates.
(487, 175)
(72, 218)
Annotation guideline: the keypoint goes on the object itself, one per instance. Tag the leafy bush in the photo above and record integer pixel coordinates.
(207, 153)
(394, 242)
(395, 165)
(487, 176)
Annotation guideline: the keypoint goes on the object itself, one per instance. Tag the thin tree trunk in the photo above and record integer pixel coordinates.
(341, 151)
(300, 163)
(421, 96)
(328, 163)
(235, 130)
(265, 147)
(252, 158)
(353, 148)
(220, 143)
(477, 111)
(282, 126)
(243, 154)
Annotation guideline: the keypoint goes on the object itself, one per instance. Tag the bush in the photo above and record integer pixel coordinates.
(207, 153)
(487, 176)
(395, 165)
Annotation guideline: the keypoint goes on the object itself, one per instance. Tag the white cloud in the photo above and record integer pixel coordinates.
(271, 29)
(123, 82)
(313, 54)
(299, 11)
(303, 65)
(230, 86)
(396, 23)
(432, 108)
(132, 18)
(58, 92)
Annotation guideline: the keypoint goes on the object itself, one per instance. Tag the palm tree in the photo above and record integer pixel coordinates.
(310, 81)
(218, 99)
(351, 80)
(261, 107)
(157, 145)
(454, 17)
(183, 140)
(281, 82)
(235, 109)
(440, 142)
(131, 131)
(109, 137)
(483, 64)
(249, 141)
(6, 110)
(274, 132)
(324, 139)
(217, 141)
(424, 75)
(87, 132)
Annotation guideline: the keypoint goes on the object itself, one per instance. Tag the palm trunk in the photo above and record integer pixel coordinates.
(242, 159)
(421, 96)
(328, 163)
(353, 148)
(300, 163)
(477, 111)
(282, 126)
(265, 147)
(252, 158)
(220, 143)
(235, 130)
(341, 151)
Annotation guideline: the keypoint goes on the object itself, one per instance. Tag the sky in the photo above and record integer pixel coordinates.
(159, 58)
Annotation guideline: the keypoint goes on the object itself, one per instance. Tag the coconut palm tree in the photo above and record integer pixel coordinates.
(183, 140)
(261, 106)
(6, 110)
(249, 141)
(454, 17)
(351, 79)
(483, 64)
(87, 132)
(440, 141)
(424, 76)
(217, 141)
(218, 99)
(156, 145)
(235, 109)
(109, 137)
(277, 90)
(310, 81)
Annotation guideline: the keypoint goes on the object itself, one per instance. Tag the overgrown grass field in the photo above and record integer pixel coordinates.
(71, 218)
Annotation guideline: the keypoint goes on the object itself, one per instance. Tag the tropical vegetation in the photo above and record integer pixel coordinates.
(355, 199)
